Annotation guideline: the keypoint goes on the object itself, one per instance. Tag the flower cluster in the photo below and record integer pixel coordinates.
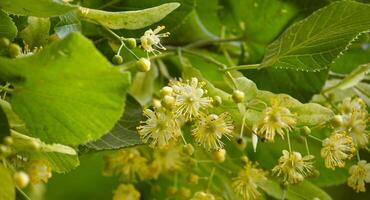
(185, 101)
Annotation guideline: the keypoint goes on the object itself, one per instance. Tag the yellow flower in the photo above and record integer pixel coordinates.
(128, 163)
(151, 40)
(159, 129)
(203, 196)
(359, 174)
(168, 158)
(38, 171)
(126, 192)
(355, 118)
(245, 184)
(337, 148)
(276, 119)
(189, 98)
(209, 129)
(293, 167)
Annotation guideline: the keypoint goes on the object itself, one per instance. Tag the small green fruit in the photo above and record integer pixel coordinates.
(14, 50)
(117, 59)
(4, 42)
(130, 42)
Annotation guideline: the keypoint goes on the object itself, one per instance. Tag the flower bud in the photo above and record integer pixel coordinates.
(21, 179)
(193, 179)
(172, 191)
(130, 42)
(168, 101)
(185, 193)
(14, 50)
(166, 90)
(219, 155)
(244, 159)
(143, 64)
(238, 96)
(306, 130)
(5, 150)
(157, 103)
(337, 121)
(217, 101)
(117, 59)
(188, 149)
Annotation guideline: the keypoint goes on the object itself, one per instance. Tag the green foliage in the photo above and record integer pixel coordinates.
(37, 8)
(7, 26)
(7, 189)
(123, 133)
(62, 96)
(313, 43)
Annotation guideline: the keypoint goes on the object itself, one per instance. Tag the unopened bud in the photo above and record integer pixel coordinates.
(4, 42)
(21, 179)
(238, 96)
(166, 90)
(143, 64)
(171, 191)
(306, 130)
(185, 193)
(168, 101)
(217, 101)
(14, 50)
(130, 42)
(188, 149)
(241, 143)
(117, 59)
(193, 179)
(8, 140)
(337, 121)
(219, 155)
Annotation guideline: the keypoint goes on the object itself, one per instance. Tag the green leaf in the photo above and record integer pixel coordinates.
(4, 125)
(313, 43)
(68, 93)
(304, 190)
(128, 19)
(36, 34)
(37, 8)
(7, 26)
(7, 188)
(124, 133)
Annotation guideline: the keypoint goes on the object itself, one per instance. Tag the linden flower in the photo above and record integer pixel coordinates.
(355, 125)
(151, 40)
(39, 171)
(126, 192)
(203, 196)
(168, 158)
(337, 148)
(355, 117)
(245, 184)
(293, 167)
(209, 129)
(359, 174)
(159, 129)
(127, 162)
(189, 98)
(276, 119)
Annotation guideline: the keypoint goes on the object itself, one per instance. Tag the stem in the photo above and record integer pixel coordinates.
(315, 138)
(243, 123)
(283, 194)
(251, 66)
(306, 144)
(210, 178)
(212, 41)
(328, 100)
(358, 156)
(289, 145)
(183, 139)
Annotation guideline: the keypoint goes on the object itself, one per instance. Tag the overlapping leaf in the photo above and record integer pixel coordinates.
(313, 43)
